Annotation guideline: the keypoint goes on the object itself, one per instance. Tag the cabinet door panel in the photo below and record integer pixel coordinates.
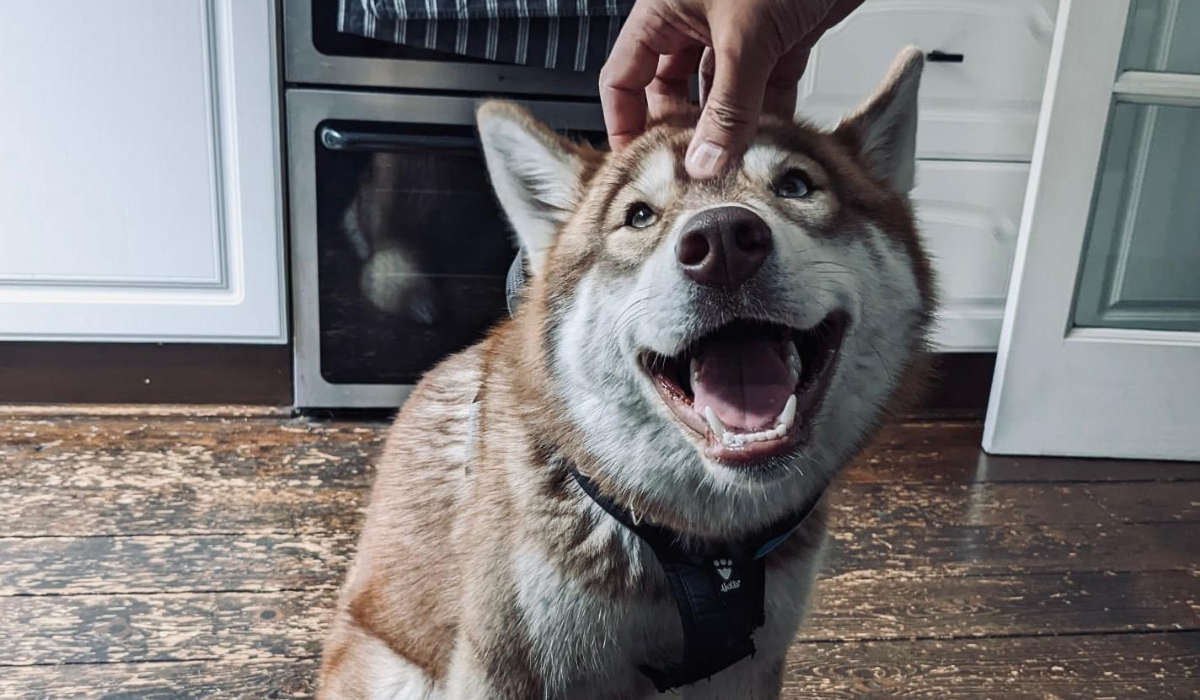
(139, 195)
(969, 214)
(982, 108)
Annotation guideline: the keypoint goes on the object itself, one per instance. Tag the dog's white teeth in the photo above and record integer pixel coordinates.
(693, 370)
(730, 438)
(788, 415)
(714, 423)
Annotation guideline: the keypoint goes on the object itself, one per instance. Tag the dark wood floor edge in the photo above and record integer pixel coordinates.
(959, 387)
(315, 590)
(145, 373)
(180, 593)
(150, 592)
(1189, 631)
(1051, 634)
(281, 658)
(293, 658)
(335, 586)
(1048, 482)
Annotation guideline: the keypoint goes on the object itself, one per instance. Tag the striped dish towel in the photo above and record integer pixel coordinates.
(557, 34)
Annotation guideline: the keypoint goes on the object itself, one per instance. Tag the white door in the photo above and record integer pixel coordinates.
(1100, 348)
(139, 182)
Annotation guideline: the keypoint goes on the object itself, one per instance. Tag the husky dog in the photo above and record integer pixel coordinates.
(708, 353)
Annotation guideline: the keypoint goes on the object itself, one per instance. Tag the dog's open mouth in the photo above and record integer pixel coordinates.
(750, 387)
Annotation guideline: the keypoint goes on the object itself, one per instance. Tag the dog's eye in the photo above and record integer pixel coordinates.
(793, 184)
(640, 215)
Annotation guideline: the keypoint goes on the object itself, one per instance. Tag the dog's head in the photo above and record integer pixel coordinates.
(711, 342)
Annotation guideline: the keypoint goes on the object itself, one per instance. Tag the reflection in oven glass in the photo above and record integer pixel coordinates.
(413, 258)
(390, 276)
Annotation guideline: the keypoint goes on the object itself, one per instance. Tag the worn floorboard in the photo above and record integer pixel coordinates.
(1108, 667)
(1105, 667)
(168, 557)
(186, 680)
(128, 628)
(119, 503)
(173, 563)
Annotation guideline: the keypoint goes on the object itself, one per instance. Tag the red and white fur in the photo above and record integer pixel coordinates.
(483, 571)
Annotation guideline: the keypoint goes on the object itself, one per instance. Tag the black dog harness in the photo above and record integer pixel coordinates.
(718, 589)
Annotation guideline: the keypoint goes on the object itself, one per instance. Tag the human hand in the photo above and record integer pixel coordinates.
(751, 54)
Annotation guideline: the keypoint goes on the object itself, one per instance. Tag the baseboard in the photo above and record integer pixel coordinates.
(960, 386)
(145, 373)
(136, 373)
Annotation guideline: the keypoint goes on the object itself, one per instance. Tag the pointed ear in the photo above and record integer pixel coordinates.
(884, 128)
(536, 174)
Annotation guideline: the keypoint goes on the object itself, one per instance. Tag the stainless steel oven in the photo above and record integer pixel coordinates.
(399, 252)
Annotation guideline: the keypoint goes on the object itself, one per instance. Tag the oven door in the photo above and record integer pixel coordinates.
(399, 251)
(317, 53)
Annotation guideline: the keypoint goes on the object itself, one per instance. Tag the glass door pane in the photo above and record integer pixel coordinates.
(1141, 263)
(1141, 267)
(1161, 37)
(413, 250)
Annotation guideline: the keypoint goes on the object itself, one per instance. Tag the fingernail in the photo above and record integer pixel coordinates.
(702, 159)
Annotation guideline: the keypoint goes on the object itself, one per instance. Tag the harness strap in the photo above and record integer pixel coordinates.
(719, 589)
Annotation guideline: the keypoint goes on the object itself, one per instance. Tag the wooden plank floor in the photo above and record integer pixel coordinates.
(169, 557)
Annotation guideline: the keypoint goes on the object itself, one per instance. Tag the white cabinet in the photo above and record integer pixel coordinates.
(983, 106)
(969, 214)
(979, 114)
(139, 174)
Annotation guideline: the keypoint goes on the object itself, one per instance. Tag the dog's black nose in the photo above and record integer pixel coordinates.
(723, 247)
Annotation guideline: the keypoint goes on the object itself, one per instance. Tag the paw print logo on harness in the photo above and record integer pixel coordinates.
(724, 569)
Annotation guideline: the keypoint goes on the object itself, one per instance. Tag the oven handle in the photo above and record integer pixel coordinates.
(338, 140)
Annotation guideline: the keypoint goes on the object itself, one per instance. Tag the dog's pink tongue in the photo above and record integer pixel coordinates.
(745, 381)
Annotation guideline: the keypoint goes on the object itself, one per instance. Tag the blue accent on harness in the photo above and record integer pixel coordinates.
(775, 542)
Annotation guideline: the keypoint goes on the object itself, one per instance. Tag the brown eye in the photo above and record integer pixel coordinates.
(793, 184)
(640, 215)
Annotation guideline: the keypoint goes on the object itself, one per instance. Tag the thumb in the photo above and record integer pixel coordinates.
(731, 111)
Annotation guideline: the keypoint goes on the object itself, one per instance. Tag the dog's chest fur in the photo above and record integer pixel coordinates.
(582, 602)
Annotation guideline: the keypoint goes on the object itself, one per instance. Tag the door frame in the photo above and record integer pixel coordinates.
(1060, 390)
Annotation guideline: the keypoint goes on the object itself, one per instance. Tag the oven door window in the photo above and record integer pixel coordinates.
(413, 251)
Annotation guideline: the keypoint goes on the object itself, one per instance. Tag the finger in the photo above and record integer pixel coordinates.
(730, 114)
(708, 64)
(668, 92)
(631, 67)
(779, 98)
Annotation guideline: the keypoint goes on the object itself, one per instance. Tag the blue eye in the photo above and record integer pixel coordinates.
(640, 215)
(793, 184)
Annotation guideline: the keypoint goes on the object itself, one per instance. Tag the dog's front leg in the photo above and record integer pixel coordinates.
(490, 669)
(467, 678)
(758, 678)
